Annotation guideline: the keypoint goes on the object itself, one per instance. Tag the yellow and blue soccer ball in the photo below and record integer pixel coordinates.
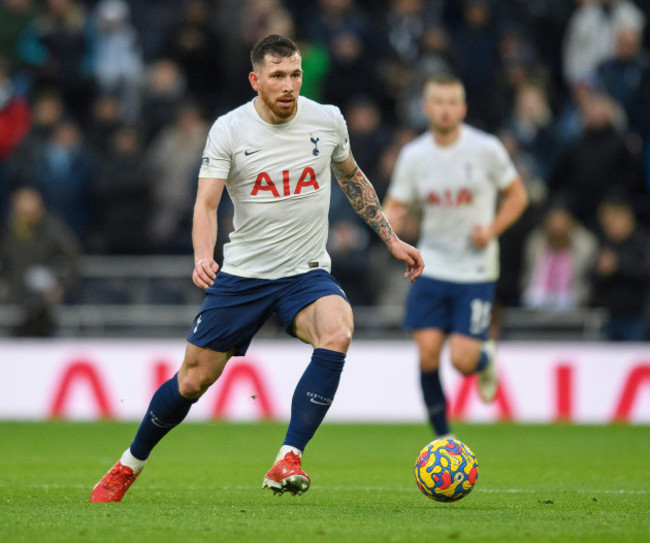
(446, 470)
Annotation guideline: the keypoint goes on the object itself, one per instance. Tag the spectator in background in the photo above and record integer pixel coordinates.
(406, 84)
(56, 48)
(117, 57)
(350, 70)
(368, 134)
(622, 272)
(154, 20)
(559, 257)
(345, 29)
(476, 44)
(122, 193)
(254, 18)
(47, 111)
(623, 75)
(14, 125)
(38, 263)
(570, 121)
(173, 160)
(164, 90)
(596, 162)
(192, 45)
(15, 16)
(590, 37)
(519, 67)
(105, 119)
(531, 123)
(64, 174)
(437, 55)
(406, 23)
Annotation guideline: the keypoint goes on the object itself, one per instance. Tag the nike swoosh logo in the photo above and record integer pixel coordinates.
(319, 403)
(249, 153)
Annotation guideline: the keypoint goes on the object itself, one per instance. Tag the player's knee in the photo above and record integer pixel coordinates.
(194, 384)
(464, 362)
(338, 340)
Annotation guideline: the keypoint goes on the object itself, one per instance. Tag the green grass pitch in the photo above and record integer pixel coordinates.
(203, 483)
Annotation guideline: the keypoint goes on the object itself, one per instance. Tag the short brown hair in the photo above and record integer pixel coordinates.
(277, 46)
(444, 78)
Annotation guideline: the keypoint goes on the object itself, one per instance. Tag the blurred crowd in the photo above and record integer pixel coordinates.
(105, 107)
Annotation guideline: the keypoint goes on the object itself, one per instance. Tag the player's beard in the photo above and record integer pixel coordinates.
(447, 127)
(280, 111)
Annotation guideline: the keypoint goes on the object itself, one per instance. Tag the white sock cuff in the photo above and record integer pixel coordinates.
(287, 449)
(132, 462)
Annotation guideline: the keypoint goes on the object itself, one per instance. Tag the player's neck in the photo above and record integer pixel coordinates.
(444, 138)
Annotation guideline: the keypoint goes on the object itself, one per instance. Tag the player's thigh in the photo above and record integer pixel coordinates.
(201, 367)
(429, 342)
(326, 323)
(464, 352)
(232, 312)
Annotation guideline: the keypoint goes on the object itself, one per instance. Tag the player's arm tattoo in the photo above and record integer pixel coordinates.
(362, 196)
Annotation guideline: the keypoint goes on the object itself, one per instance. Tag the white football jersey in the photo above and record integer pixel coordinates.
(456, 187)
(279, 179)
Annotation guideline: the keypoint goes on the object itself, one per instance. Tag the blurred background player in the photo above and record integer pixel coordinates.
(454, 173)
(274, 155)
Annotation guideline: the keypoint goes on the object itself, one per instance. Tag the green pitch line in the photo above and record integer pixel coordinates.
(203, 483)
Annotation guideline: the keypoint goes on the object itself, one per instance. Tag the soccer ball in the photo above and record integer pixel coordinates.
(446, 470)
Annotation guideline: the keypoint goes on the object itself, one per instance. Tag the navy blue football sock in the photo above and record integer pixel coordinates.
(313, 396)
(166, 410)
(482, 361)
(434, 399)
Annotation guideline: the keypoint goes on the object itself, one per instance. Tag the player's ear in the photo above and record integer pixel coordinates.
(254, 80)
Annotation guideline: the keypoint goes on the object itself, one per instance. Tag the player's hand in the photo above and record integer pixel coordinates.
(481, 236)
(205, 272)
(409, 254)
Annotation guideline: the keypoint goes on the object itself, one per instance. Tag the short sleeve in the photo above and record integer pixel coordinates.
(215, 162)
(502, 170)
(342, 149)
(403, 181)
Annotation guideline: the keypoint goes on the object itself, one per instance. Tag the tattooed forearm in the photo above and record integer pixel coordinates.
(362, 196)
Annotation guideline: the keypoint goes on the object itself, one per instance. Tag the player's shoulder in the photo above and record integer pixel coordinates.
(422, 144)
(480, 138)
(312, 110)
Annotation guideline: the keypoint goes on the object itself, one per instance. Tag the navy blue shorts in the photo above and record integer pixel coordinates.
(463, 308)
(235, 308)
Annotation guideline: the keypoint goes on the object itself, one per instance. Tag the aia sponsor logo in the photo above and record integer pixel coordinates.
(265, 184)
(450, 198)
